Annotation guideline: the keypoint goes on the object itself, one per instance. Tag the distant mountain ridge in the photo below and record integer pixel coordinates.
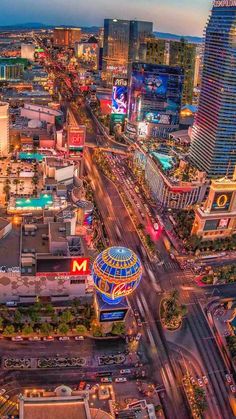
(174, 37)
(93, 29)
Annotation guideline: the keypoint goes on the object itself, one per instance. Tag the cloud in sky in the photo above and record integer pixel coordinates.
(177, 16)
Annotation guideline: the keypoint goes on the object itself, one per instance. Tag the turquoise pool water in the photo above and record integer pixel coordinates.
(166, 161)
(23, 155)
(43, 201)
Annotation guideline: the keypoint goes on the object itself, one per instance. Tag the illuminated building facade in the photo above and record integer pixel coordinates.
(155, 99)
(66, 37)
(139, 32)
(175, 53)
(214, 130)
(165, 190)
(116, 272)
(217, 217)
(28, 51)
(4, 129)
(124, 43)
(183, 54)
(115, 48)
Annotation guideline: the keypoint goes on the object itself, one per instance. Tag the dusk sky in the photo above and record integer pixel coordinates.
(176, 16)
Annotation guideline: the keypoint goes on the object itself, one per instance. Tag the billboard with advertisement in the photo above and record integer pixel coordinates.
(64, 266)
(112, 315)
(216, 224)
(76, 138)
(120, 96)
(117, 122)
(221, 201)
(155, 94)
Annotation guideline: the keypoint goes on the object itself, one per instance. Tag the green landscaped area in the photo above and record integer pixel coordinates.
(43, 201)
(23, 155)
(166, 161)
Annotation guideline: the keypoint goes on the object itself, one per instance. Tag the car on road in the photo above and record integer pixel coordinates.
(138, 336)
(106, 380)
(64, 338)
(88, 387)
(125, 371)
(48, 338)
(135, 313)
(139, 323)
(2, 391)
(79, 337)
(17, 338)
(82, 385)
(193, 381)
(233, 388)
(228, 378)
(120, 379)
(34, 338)
(200, 382)
(205, 379)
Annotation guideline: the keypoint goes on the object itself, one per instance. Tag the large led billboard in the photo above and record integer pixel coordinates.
(155, 94)
(120, 96)
(76, 138)
(112, 315)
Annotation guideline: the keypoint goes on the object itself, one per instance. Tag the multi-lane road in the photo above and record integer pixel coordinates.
(162, 355)
(203, 356)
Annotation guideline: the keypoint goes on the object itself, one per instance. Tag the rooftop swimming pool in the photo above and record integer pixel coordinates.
(24, 155)
(43, 201)
(167, 162)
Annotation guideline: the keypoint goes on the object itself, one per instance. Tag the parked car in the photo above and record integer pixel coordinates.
(200, 382)
(193, 381)
(34, 338)
(17, 338)
(79, 337)
(48, 338)
(106, 380)
(233, 388)
(228, 378)
(205, 379)
(120, 379)
(125, 371)
(2, 391)
(64, 338)
(138, 336)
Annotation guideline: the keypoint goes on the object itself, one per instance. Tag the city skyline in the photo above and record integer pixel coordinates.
(166, 18)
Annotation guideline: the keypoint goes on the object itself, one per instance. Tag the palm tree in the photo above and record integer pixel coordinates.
(16, 183)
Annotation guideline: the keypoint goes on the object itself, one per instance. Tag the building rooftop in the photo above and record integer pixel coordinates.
(10, 248)
(51, 408)
(59, 231)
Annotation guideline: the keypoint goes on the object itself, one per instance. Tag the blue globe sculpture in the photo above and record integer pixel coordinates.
(116, 272)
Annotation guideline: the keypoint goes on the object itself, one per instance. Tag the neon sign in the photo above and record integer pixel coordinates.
(79, 266)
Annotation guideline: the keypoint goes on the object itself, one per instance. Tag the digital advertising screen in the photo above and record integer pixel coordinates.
(221, 201)
(76, 138)
(158, 118)
(155, 94)
(113, 315)
(120, 96)
(223, 223)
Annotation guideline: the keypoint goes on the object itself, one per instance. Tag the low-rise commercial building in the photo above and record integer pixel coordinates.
(216, 218)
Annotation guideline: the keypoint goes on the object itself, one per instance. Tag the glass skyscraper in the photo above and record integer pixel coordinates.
(124, 43)
(213, 146)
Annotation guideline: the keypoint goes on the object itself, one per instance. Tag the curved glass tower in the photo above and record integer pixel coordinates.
(213, 147)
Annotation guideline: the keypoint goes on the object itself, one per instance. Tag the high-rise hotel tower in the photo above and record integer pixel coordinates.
(213, 146)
